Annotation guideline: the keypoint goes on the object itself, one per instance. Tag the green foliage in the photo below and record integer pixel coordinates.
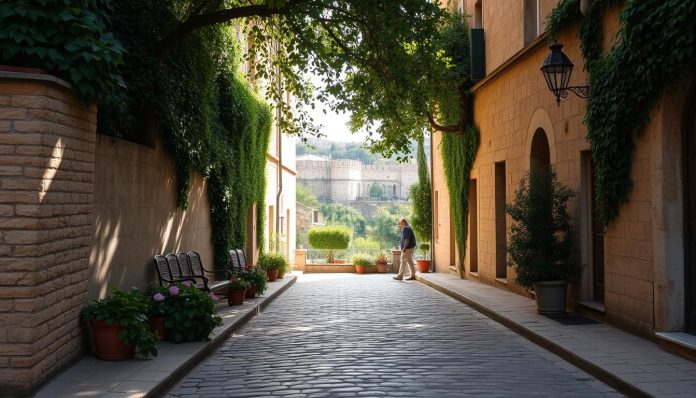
(271, 261)
(305, 196)
(421, 199)
(458, 155)
(329, 239)
(340, 214)
(365, 243)
(377, 191)
(362, 259)
(70, 39)
(540, 242)
(257, 277)
(131, 310)
(424, 248)
(381, 258)
(212, 121)
(386, 228)
(240, 284)
(190, 313)
(653, 53)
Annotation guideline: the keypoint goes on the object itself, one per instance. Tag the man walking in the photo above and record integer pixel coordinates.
(407, 243)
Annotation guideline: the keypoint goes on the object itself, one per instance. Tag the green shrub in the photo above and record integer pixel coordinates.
(365, 243)
(271, 261)
(381, 258)
(131, 309)
(540, 242)
(421, 199)
(240, 284)
(424, 248)
(329, 239)
(257, 277)
(190, 313)
(362, 259)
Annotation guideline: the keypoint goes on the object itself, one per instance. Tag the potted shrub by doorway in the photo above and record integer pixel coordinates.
(540, 244)
(272, 263)
(119, 325)
(423, 263)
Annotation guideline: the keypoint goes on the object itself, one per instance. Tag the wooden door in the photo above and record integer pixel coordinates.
(690, 214)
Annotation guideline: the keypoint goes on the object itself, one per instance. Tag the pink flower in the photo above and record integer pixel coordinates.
(173, 290)
(158, 297)
(212, 296)
(188, 283)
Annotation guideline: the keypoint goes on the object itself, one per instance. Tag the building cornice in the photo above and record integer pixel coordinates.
(273, 159)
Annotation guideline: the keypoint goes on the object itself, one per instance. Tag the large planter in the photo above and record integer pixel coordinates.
(281, 273)
(551, 297)
(107, 346)
(237, 296)
(250, 292)
(423, 266)
(157, 326)
(360, 269)
(382, 268)
(272, 274)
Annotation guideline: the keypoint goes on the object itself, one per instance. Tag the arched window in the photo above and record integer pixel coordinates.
(540, 157)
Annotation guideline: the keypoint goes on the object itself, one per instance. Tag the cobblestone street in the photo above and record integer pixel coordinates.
(367, 335)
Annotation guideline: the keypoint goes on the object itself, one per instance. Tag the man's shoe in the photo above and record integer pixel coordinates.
(413, 278)
(398, 278)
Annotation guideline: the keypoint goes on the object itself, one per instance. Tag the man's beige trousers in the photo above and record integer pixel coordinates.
(407, 259)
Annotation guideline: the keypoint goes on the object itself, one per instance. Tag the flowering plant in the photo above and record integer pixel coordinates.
(240, 284)
(256, 277)
(190, 312)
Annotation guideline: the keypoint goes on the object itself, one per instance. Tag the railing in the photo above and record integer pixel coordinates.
(319, 256)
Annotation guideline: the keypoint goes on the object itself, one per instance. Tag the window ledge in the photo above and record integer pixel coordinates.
(504, 281)
(474, 274)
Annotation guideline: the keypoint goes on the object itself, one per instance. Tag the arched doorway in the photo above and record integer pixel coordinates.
(540, 156)
(689, 140)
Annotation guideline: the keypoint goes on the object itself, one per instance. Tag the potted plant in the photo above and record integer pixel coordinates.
(361, 262)
(157, 315)
(381, 261)
(329, 239)
(540, 243)
(284, 269)
(237, 291)
(423, 263)
(271, 263)
(258, 281)
(190, 313)
(119, 325)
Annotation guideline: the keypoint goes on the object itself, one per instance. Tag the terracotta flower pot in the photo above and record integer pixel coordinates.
(107, 346)
(360, 269)
(157, 326)
(272, 274)
(423, 265)
(250, 292)
(237, 297)
(382, 268)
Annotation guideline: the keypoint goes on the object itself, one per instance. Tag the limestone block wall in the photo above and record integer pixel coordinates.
(136, 216)
(47, 144)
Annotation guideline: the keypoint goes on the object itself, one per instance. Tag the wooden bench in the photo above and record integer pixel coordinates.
(182, 267)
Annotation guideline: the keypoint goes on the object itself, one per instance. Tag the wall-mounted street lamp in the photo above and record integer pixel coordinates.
(557, 69)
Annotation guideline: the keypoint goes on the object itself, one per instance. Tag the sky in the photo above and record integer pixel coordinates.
(335, 126)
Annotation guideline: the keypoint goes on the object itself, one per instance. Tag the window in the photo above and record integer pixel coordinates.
(500, 221)
(478, 14)
(532, 21)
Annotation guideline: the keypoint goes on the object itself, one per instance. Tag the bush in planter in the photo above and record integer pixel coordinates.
(424, 248)
(329, 239)
(271, 261)
(130, 310)
(362, 261)
(190, 313)
(540, 244)
(256, 277)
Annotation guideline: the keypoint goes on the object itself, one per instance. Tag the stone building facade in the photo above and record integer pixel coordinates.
(634, 274)
(345, 180)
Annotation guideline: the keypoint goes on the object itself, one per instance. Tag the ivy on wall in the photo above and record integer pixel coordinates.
(654, 51)
(458, 155)
(211, 119)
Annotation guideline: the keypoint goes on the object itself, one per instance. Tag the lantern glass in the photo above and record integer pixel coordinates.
(557, 69)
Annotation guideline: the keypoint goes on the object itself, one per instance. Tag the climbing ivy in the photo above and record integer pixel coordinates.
(211, 119)
(458, 155)
(654, 51)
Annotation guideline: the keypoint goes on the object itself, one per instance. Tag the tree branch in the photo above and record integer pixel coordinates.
(455, 128)
(196, 22)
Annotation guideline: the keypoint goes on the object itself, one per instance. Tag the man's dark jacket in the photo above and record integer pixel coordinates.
(407, 235)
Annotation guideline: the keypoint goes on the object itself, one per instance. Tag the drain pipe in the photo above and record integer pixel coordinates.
(279, 149)
(433, 221)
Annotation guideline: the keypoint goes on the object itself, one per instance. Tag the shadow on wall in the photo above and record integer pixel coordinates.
(136, 217)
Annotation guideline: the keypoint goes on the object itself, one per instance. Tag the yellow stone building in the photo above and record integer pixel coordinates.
(637, 273)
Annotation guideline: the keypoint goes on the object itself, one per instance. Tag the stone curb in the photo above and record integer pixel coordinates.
(179, 373)
(601, 374)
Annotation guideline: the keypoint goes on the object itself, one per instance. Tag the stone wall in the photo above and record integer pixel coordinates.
(47, 143)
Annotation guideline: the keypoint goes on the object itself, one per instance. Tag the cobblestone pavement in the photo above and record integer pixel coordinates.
(345, 335)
